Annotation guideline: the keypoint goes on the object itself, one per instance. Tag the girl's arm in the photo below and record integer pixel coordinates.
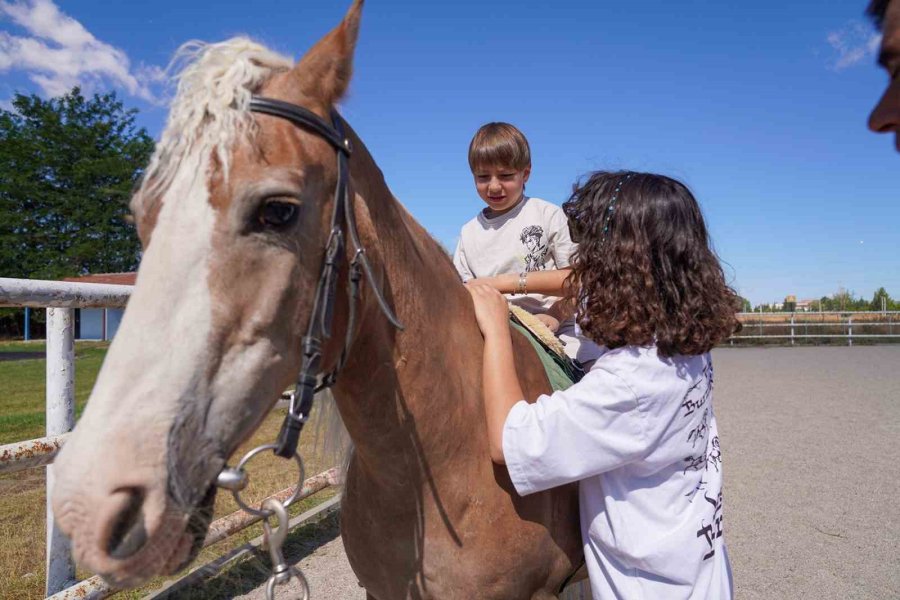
(500, 380)
(550, 283)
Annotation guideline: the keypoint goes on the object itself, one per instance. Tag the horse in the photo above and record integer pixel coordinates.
(233, 215)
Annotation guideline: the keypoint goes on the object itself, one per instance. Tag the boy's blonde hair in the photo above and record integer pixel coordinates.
(499, 144)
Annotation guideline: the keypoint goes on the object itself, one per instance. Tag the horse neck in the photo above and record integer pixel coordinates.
(417, 390)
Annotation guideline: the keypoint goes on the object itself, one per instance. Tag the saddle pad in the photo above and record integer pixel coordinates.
(561, 370)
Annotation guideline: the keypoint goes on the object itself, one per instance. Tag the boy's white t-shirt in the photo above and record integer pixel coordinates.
(638, 433)
(533, 236)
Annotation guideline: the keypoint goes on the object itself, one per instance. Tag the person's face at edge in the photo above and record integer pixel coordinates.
(885, 118)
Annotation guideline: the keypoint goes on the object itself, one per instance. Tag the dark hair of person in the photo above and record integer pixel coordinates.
(499, 144)
(644, 271)
(877, 10)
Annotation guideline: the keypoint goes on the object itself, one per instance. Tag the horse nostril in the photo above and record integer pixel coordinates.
(128, 534)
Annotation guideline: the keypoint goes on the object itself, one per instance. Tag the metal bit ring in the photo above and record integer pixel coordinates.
(236, 493)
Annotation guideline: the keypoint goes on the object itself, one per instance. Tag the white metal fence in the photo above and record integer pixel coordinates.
(60, 300)
(819, 327)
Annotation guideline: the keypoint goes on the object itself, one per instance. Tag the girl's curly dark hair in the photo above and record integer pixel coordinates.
(644, 271)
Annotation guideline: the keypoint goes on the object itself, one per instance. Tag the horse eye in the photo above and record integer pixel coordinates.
(276, 213)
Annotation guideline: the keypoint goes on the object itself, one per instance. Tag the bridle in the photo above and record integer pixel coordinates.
(319, 328)
(310, 380)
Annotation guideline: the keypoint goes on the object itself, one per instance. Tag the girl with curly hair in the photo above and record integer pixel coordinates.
(638, 431)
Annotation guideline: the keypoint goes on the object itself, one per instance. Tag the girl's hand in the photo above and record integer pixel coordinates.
(491, 308)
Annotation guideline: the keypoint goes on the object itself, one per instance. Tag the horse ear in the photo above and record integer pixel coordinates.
(324, 72)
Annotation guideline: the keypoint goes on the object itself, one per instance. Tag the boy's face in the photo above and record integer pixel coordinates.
(500, 187)
(886, 116)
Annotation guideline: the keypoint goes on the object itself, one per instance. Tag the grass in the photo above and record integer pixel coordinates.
(32, 346)
(22, 495)
(23, 387)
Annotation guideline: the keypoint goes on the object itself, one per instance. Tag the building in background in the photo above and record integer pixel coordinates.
(100, 323)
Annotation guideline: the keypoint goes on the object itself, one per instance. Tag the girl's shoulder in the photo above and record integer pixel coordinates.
(648, 373)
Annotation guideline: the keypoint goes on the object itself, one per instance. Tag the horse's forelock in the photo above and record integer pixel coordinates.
(211, 105)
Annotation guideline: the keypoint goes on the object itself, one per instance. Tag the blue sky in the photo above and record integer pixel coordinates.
(759, 106)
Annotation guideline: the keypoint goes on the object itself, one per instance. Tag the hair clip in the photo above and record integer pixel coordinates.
(612, 204)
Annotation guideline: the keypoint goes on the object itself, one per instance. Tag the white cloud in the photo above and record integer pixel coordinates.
(60, 53)
(852, 45)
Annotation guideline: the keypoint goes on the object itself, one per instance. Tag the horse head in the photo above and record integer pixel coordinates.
(233, 216)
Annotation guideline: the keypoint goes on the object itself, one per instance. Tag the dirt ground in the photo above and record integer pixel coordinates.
(810, 443)
(810, 436)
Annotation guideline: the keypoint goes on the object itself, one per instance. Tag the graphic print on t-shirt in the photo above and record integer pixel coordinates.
(695, 405)
(712, 531)
(532, 238)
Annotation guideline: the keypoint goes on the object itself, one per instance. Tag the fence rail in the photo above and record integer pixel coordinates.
(882, 326)
(61, 299)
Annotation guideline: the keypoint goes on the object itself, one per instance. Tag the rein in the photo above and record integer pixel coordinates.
(320, 320)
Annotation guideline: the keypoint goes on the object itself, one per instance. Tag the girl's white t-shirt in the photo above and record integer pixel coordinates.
(638, 433)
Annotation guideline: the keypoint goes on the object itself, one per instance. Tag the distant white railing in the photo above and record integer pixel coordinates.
(795, 326)
(61, 299)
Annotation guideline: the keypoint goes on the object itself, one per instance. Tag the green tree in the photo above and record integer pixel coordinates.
(881, 299)
(67, 169)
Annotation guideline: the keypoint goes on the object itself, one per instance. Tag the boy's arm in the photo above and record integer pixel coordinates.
(550, 283)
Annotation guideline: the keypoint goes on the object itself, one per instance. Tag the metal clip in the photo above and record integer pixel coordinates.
(281, 571)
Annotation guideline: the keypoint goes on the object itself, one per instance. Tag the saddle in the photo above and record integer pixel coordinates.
(561, 370)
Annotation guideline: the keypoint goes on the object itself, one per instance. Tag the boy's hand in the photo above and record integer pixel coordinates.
(551, 323)
(491, 308)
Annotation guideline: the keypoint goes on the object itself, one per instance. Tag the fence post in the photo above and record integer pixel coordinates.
(850, 337)
(792, 329)
(27, 323)
(60, 419)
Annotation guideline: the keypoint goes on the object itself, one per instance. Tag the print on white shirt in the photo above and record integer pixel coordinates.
(714, 530)
(697, 398)
(532, 238)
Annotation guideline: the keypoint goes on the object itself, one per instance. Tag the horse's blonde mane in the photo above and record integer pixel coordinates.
(209, 112)
(210, 108)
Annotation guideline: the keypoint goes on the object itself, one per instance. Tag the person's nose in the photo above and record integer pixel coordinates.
(886, 115)
(494, 185)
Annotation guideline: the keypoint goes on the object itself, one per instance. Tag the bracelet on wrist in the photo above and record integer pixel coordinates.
(522, 287)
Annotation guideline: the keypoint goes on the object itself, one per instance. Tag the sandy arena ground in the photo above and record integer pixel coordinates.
(811, 444)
